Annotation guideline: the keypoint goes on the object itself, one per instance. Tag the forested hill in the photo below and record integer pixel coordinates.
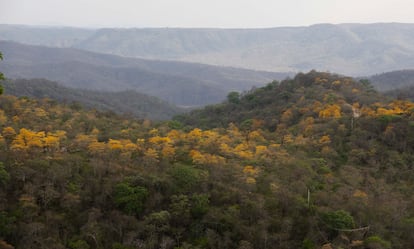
(393, 80)
(126, 102)
(187, 84)
(317, 161)
(292, 99)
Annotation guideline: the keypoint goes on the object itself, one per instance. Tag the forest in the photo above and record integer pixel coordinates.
(314, 161)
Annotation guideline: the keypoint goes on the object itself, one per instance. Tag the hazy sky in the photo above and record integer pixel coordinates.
(203, 13)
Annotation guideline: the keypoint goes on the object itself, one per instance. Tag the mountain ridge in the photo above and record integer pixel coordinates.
(349, 49)
(177, 82)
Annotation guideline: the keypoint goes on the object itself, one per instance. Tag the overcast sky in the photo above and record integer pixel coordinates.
(203, 13)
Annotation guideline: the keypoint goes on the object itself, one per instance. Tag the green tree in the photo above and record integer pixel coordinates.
(233, 97)
(1, 75)
(130, 198)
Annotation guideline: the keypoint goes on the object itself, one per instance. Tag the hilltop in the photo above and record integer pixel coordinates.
(316, 160)
(294, 95)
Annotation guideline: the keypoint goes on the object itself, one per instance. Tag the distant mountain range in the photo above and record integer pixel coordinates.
(126, 102)
(351, 49)
(185, 84)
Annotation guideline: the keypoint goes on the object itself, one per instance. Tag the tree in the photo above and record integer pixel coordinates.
(130, 198)
(233, 97)
(1, 75)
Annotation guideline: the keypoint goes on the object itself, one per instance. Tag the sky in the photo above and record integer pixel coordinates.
(202, 13)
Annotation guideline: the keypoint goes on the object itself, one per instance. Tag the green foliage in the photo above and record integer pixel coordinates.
(308, 244)
(6, 224)
(199, 205)
(376, 242)
(338, 220)
(1, 76)
(233, 97)
(130, 198)
(78, 244)
(4, 175)
(186, 178)
(120, 246)
(248, 187)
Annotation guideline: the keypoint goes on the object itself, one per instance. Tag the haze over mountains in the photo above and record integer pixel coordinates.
(351, 49)
(186, 84)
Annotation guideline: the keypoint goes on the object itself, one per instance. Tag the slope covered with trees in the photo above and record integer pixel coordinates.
(317, 160)
(126, 102)
(393, 80)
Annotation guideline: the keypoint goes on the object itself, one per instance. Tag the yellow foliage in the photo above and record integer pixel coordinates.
(8, 132)
(168, 152)
(151, 153)
(129, 146)
(3, 118)
(250, 170)
(286, 116)
(95, 131)
(114, 144)
(319, 80)
(250, 180)
(367, 111)
(51, 141)
(288, 139)
(233, 131)
(40, 113)
(260, 150)
(197, 157)
(360, 194)
(195, 134)
(16, 119)
(242, 151)
(336, 84)
(28, 139)
(325, 139)
(256, 136)
(225, 149)
(97, 147)
(330, 111)
(300, 140)
(153, 132)
(174, 135)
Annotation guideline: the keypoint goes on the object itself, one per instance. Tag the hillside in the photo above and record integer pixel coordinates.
(351, 49)
(316, 160)
(268, 103)
(127, 102)
(180, 83)
(393, 80)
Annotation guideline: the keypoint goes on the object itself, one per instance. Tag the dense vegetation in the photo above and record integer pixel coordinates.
(317, 160)
(393, 80)
(126, 102)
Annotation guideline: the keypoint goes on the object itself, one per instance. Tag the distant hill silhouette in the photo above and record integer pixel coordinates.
(351, 49)
(393, 80)
(181, 83)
